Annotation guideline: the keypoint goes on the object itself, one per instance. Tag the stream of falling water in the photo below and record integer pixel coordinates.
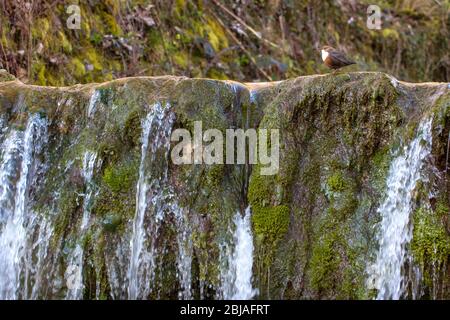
(93, 103)
(74, 271)
(395, 228)
(237, 277)
(2, 128)
(184, 257)
(17, 163)
(152, 200)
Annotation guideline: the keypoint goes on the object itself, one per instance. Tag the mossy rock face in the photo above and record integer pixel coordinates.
(337, 133)
(313, 221)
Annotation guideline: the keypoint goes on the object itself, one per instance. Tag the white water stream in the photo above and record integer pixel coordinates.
(16, 170)
(395, 229)
(237, 276)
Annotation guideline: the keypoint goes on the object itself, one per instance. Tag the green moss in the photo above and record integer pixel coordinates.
(260, 189)
(390, 33)
(120, 179)
(112, 26)
(181, 59)
(336, 182)
(111, 221)
(77, 68)
(325, 263)
(131, 133)
(207, 255)
(431, 242)
(215, 175)
(215, 73)
(271, 222)
(115, 203)
(334, 269)
(216, 35)
(106, 94)
(41, 78)
(41, 27)
(442, 209)
(65, 43)
(68, 206)
(94, 58)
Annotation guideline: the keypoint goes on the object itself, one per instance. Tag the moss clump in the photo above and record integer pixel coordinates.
(39, 70)
(260, 189)
(334, 270)
(131, 133)
(181, 59)
(77, 67)
(106, 94)
(95, 59)
(270, 217)
(271, 222)
(215, 175)
(111, 222)
(69, 205)
(431, 242)
(336, 182)
(119, 179)
(115, 202)
(325, 262)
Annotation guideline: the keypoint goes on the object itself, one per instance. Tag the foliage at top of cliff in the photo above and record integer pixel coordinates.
(220, 39)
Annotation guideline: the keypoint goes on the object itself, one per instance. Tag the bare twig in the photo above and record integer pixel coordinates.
(252, 59)
(217, 57)
(256, 33)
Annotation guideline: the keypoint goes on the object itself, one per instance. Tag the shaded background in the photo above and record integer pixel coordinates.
(220, 39)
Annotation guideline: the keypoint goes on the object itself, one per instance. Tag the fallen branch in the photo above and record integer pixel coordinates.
(256, 33)
(217, 57)
(241, 46)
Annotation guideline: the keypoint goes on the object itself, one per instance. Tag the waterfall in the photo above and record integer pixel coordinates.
(87, 173)
(74, 271)
(151, 200)
(38, 251)
(8, 173)
(237, 276)
(2, 127)
(93, 103)
(395, 231)
(184, 257)
(16, 171)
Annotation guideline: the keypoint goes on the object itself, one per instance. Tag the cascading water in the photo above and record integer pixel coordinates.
(74, 271)
(37, 253)
(395, 231)
(93, 103)
(8, 173)
(184, 257)
(16, 170)
(2, 127)
(237, 276)
(152, 200)
(89, 160)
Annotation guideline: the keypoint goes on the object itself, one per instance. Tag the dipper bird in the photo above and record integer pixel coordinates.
(334, 59)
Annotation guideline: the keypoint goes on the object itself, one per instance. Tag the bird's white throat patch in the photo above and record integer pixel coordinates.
(324, 55)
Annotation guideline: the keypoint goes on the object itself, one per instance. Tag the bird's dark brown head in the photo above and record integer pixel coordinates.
(327, 48)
